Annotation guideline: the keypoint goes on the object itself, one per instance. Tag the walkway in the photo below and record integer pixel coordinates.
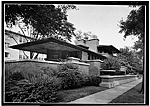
(104, 97)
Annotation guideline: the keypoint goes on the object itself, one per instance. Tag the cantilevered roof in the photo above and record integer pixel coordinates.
(41, 46)
(108, 48)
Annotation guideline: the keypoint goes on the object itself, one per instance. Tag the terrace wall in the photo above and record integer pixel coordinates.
(39, 66)
(95, 67)
(112, 81)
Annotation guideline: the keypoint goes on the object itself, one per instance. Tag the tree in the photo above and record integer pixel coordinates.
(135, 25)
(85, 35)
(130, 57)
(42, 20)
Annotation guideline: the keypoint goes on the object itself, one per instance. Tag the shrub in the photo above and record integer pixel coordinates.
(68, 66)
(69, 79)
(94, 80)
(111, 63)
(70, 76)
(16, 76)
(24, 91)
(49, 71)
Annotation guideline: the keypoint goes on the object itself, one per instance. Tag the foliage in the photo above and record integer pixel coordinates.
(94, 80)
(70, 76)
(46, 20)
(24, 91)
(131, 58)
(43, 87)
(67, 66)
(111, 63)
(135, 25)
(85, 35)
(30, 71)
(16, 76)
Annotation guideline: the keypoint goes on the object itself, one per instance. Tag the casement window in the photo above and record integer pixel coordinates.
(20, 56)
(7, 45)
(7, 54)
(20, 39)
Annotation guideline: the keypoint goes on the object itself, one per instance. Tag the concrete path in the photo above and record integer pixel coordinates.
(104, 97)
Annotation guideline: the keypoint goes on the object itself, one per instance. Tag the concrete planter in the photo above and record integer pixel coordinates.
(112, 81)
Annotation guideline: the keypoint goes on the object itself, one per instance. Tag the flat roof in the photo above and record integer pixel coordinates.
(108, 48)
(41, 46)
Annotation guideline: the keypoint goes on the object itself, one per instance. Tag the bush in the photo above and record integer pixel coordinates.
(94, 80)
(16, 76)
(68, 66)
(40, 87)
(111, 63)
(70, 76)
(24, 91)
(70, 79)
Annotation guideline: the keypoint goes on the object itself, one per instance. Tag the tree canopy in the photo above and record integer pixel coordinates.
(85, 35)
(46, 20)
(130, 57)
(135, 25)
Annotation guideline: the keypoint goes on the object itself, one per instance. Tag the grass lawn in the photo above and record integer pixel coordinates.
(73, 94)
(131, 96)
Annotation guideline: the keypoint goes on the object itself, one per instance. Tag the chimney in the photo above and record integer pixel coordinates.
(92, 44)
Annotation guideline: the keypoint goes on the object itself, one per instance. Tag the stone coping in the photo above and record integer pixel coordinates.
(108, 70)
(117, 76)
(80, 63)
(97, 60)
(32, 60)
(73, 58)
(43, 61)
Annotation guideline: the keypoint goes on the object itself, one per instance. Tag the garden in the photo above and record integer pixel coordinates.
(36, 87)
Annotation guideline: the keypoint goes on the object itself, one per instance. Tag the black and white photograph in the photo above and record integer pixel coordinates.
(70, 53)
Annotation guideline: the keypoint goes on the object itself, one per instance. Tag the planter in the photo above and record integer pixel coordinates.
(112, 81)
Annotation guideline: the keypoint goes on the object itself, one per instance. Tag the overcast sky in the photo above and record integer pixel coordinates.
(102, 21)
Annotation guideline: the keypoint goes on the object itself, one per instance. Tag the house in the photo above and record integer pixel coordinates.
(13, 38)
(93, 45)
(57, 50)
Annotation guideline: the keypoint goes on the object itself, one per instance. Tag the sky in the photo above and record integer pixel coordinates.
(102, 21)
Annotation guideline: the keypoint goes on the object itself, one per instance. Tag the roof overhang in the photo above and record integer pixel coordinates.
(108, 48)
(41, 46)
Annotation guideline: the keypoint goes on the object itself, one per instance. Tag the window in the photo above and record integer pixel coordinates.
(24, 57)
(7, 45)
(7, 54)
(20, 39)
(20, 56)
(24, 40)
